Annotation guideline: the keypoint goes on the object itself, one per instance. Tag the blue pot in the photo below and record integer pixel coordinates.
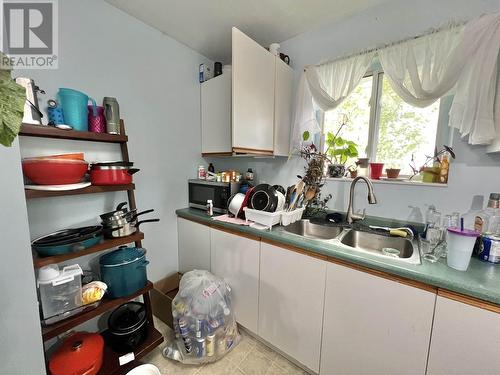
(124, 271)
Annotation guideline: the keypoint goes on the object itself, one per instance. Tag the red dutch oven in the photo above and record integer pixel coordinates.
(114, 173)
(79, 354)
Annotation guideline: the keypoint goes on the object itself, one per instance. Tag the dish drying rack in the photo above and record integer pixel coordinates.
(266, 220)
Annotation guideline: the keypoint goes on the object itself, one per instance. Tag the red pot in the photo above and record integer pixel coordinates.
(79, 354)
(118, 173)
(376, 170)
(54, 171)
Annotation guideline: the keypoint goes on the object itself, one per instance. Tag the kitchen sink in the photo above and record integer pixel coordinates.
(396, 247)
(311, 230)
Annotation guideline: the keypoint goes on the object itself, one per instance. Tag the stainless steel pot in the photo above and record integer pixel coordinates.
(120, 220)
(126, 229)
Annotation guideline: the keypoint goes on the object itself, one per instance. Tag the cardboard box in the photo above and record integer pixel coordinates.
(162, 295)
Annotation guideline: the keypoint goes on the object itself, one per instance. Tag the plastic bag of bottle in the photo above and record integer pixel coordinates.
(204, 323)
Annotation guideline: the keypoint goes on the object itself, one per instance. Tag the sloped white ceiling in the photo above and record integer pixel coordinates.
(205, 26)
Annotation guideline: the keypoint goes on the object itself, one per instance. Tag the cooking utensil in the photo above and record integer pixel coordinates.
(68, 240)
(235, 203)
(55, 171)
(118, 173)
(64, 187)
(127, 326)
(124, 271)
(79, 354)
(280, 188)
(126, 229)
(121, 208)
(264, 198)
(297, 191)
(124, 218)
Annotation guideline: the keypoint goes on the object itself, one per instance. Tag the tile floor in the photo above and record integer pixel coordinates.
(249, 357)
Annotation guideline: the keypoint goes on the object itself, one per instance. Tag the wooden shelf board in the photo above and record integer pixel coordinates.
(42, 131)
(55, 329)
(32, 194)
(106, 244)
(111, 365)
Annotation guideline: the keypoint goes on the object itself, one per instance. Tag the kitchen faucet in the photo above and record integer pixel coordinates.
(351, 216)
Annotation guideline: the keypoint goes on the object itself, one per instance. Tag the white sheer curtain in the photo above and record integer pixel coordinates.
(464, 59)
(327, 86)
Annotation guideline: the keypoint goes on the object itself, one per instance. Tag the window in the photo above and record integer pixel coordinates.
(385, 128)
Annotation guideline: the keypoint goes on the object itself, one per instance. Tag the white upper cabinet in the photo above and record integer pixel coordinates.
(248, 110)
(465, 340)
(236, 260)
(374, 326)
(216, 115)
(253, 95)
(283, 100)
(292, 287)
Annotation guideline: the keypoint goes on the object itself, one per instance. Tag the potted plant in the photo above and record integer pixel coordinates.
(339, 150)
(392, 171)
(435, 168)
(353, 171)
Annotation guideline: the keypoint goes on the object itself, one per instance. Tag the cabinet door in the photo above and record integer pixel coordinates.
(373, 325)
(291, 297)
(253, 95)
(193, 245)
(236, 259)
(216, 115)
(283, 99)
(465, 340)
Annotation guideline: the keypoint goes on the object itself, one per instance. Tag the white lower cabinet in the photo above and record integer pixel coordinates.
(465, 340)
(374, 326)
(193, 245)
(291, 296)
(236, 259)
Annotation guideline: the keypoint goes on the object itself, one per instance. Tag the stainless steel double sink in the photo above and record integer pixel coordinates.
(396, 248)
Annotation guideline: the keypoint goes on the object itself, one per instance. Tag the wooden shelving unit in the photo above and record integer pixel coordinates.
(55, 329)
(111, 364)
(32, 194)
(104, 245)
(29, 130)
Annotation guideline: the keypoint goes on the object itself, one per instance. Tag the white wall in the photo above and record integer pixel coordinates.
(103, 52)
(472, 173)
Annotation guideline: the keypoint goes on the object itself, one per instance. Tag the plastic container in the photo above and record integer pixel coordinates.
(376, 170)
(289, 217)
(267, 219)
(460, 244)
(74, 106)
(60, 291)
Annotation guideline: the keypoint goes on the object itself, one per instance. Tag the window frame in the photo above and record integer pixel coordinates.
(444, 134)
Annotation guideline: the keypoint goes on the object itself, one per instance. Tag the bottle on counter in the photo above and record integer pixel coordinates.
(249, 175)
(210, 208)
(211, 168)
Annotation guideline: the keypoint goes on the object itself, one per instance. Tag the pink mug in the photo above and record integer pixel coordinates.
(97, 121)
(376, 170)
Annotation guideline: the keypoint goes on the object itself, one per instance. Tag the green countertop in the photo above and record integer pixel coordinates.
(481, 280)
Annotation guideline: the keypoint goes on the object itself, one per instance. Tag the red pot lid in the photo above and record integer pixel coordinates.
(77, 353)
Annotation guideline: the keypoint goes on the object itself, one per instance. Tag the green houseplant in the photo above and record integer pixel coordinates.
(340, 150)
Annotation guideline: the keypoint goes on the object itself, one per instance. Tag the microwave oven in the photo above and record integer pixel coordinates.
(200, 191)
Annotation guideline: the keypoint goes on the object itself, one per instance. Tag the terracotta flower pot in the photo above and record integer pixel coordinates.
(353, 174)
(392, 172)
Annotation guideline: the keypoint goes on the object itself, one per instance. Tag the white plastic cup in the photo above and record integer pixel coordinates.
(460, 244)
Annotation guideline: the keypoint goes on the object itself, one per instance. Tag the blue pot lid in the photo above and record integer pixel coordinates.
(122, 256)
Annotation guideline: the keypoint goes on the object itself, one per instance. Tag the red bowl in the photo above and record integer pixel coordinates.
(54, 172)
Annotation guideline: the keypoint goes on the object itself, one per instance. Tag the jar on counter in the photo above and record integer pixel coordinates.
(202, 173)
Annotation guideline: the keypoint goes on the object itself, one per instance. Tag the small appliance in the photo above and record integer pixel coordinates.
(200, 191)
(32, 114)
